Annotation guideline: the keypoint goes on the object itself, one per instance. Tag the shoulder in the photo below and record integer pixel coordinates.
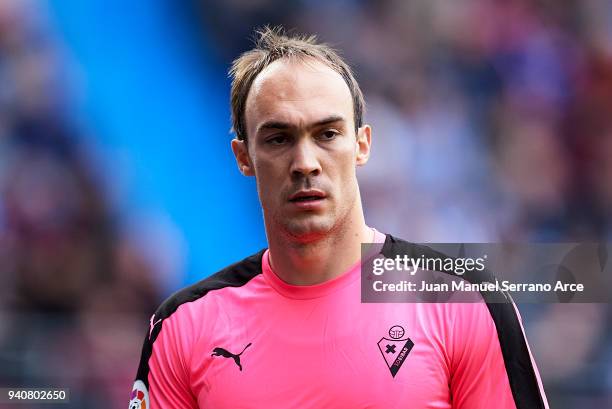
(234, 275)
(395, 246)
(476, 324)
(174, 342)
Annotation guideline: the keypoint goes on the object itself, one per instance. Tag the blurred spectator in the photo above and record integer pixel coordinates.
(74, 294)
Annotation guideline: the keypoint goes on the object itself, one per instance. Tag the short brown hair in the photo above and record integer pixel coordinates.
(273, 44)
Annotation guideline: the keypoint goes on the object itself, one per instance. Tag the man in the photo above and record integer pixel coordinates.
(285, 328)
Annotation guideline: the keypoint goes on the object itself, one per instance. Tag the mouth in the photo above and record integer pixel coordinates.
(306, 196)
(308, 200)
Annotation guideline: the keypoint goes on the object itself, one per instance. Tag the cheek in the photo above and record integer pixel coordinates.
(268, 167)
(343, 170)
(269, 181)
(348, 161)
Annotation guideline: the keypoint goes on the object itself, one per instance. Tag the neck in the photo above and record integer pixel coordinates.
(320, 260)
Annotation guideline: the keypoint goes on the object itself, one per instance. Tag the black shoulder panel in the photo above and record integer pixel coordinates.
(235, 275)
(521, 374)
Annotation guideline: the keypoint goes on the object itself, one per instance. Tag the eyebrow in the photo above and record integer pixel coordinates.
(285, 125)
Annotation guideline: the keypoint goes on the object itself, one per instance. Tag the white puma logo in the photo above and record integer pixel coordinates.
(152, 324)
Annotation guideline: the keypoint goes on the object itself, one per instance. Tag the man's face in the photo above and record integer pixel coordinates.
(302, 148)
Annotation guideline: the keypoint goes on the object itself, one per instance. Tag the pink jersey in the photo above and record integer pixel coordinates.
(243, 338)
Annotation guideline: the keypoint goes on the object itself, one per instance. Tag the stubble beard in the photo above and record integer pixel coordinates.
(308, 228)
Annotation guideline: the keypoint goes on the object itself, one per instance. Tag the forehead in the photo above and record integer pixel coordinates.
(298, 92)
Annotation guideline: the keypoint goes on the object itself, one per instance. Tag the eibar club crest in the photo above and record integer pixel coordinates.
(395, 349)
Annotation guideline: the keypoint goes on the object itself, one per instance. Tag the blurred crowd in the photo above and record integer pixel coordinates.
(75, 292)
(492, 121)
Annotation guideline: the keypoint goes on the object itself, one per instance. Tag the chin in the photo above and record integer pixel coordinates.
(306, 231)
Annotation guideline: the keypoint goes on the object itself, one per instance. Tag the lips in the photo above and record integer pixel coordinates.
(306, 196)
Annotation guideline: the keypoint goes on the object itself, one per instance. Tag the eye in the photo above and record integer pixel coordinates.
(277, 140)
(329, 135)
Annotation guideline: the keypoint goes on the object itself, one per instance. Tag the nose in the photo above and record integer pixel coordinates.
(305, 161)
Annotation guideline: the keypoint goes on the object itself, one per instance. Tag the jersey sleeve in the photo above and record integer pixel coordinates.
(491, 365)
(165, 371)
(163, 374)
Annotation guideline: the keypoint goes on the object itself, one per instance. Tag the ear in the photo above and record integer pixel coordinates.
(364, 143)
(241, 152)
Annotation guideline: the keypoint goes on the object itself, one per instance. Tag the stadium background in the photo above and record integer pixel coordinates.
(492, 121)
